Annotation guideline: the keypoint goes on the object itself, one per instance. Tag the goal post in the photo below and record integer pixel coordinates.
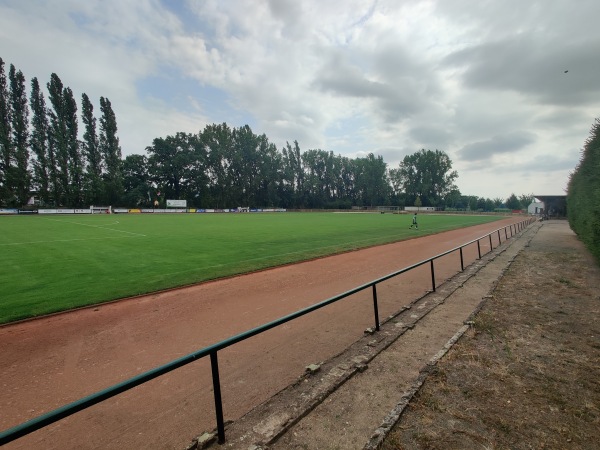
(101, 209)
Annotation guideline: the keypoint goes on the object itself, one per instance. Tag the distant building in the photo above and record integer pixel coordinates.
(554, 206)
(536, 208)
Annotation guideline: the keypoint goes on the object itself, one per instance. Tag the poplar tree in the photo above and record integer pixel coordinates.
(58, 147)
(111, 152)
(75, 163)
(38, 143)
(91, 152)
(64, 145)
(20, 123)
(5, 139)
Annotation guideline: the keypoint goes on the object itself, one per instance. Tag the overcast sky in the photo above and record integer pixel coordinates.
(483, 81)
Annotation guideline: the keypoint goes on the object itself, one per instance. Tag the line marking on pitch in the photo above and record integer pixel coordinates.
(98, 226)
(68, 240)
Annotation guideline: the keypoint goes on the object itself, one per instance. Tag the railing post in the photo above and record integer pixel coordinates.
(478, 249)
(462, 263)
(505, 233)
(499, 240)
(375, 308)
(432, 276)
(214, 364)
(491, 245)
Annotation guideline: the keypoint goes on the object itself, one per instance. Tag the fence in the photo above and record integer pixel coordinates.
(211, 351)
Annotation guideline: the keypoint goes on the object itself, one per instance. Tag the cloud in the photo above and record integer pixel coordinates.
(527, 66)
(499, 144)
(482, 81)
(431, 137)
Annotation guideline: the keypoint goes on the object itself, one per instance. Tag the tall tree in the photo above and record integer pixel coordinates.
(293, 174)
(75, 165)
(453, 199)
(513, 202)
(244, 164)
(322, 170)
(38, 142)
(91, 151)
(136, 181)
(58, 142)
(526, 199)
(20, 133)
(170, 163)
(6, 150)
(371, 181)
(426, 174)
(198, 186)
(111, 152)
(217, 144)
(269, 175)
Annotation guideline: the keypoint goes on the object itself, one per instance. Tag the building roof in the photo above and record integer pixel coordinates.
(555, 205)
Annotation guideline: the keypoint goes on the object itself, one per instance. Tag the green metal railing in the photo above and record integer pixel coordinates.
(44, 420)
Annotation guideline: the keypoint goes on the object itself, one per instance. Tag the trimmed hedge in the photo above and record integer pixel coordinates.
(583, 194)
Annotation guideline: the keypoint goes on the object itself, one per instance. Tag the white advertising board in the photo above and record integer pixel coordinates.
(176, 203)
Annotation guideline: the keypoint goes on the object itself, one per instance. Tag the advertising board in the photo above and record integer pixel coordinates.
(176, 203)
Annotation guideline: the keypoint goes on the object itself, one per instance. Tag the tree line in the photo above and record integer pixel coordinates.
(43, 156)
(218, 167)
(583, 193)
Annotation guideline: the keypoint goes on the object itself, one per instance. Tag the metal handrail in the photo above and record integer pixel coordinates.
(50, 417)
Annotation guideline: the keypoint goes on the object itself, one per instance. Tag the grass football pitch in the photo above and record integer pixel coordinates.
(54, 263)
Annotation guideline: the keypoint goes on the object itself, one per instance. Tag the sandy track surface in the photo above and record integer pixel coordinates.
(49, 362)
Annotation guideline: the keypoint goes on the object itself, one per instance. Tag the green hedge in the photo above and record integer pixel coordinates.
(583, 194)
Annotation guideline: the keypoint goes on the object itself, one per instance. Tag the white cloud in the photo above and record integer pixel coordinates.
(483, 81)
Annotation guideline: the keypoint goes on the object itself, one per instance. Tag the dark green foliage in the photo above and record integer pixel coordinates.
(65, 171)
(371, 183)
(38, 142)
(6, 150)
(58, 142)
(111, 152)
(427, 175)
(583, 193)
(171, 163)
(91, 151)
(139, 192)
(20, 122)
(513, 202)
(75, 161)
(225, 167)
(526, 200)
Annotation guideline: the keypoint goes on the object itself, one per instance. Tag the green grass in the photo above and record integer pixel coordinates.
(54, 263)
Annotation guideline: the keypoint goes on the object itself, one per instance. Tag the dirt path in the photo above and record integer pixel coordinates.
(49, 362)
(525, 376)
